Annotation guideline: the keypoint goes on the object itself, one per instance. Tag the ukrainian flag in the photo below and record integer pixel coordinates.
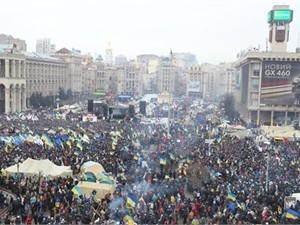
(72, 138)
(163, 161)
(77, 191)
(85, 138)
(69, 144)
(79, 145)
(128, 219)
(292, 214)
(231, 196)
(131, 201)
(47, 140)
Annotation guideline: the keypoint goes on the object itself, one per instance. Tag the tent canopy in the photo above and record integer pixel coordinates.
(101, 189)
(225, 125)
(92, 166)
(45, 167)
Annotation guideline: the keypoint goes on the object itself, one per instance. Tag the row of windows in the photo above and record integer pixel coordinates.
(45, 81)
(59, 78)
(130, 76)
(195, 68)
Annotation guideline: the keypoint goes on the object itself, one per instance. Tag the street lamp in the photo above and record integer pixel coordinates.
(57, 103)
(268, 163)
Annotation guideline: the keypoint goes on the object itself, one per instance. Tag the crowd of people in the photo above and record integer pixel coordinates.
(189, 172)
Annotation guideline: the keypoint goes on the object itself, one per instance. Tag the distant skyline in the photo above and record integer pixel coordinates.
(214, 30)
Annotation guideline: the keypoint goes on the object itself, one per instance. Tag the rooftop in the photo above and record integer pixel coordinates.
(34, 55)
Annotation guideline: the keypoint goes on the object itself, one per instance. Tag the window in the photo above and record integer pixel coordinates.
(280, 35)
(256, 69)
(254, 102)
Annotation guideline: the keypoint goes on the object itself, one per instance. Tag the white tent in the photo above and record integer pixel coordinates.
(92, 166)
(101, 189)
(45, 167)
(225, 126)
(239, 127)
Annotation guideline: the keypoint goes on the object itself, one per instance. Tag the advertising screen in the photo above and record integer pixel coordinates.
(280, 82)
(282, 15)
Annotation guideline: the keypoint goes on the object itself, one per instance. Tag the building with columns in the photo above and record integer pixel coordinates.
(25, 73)
(12, 82)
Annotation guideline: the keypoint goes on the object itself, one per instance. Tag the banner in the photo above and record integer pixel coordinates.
(280, 83)
(89, 118)
(194, 86)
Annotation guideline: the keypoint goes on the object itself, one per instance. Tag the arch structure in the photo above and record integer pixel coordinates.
(12, 83)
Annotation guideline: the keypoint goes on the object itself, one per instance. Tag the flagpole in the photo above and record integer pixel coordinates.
(267, 171)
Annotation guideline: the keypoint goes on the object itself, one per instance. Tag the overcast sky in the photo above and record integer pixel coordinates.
(214, 30)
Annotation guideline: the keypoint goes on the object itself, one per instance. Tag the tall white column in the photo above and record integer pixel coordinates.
(24, 69)
(13, 68)
(19, 68)
(18, 100)
(6, 67)
(7, 99)
(13, 100)
(23, 94)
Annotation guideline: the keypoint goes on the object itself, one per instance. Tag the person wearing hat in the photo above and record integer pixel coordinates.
(18, 220)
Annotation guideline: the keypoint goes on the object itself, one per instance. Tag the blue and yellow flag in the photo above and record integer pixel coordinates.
(79, 145)
(128, 219)
(131, 201)
(231, 196)
(292, 214)
(163, 161)
(69, 144)
(77, 191)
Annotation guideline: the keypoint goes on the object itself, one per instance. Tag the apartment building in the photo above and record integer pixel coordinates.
(10, 40)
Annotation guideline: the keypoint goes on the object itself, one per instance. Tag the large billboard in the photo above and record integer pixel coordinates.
(194, 86)
(280, 83)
